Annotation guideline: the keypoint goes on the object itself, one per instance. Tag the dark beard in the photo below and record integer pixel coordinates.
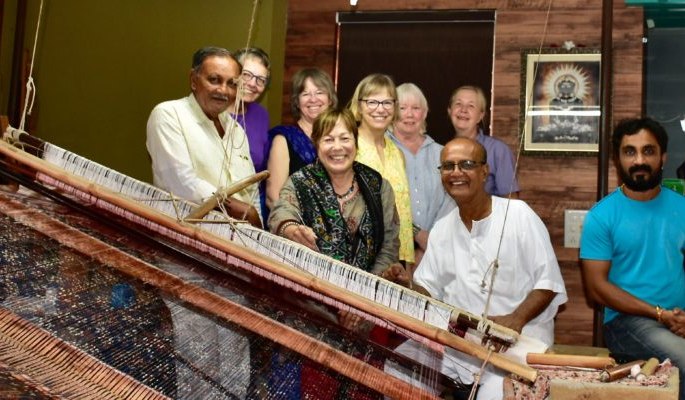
(641, 184)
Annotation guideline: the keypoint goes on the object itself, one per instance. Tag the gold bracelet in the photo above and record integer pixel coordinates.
(659, 311)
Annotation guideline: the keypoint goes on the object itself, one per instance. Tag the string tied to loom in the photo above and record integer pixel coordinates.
(477, 375)
(29, 100)
(30, 85)
(484, 323)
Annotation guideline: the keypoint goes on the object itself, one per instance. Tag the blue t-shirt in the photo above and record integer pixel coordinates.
(645, 242)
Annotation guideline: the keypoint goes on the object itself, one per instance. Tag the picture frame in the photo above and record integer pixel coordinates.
(560, 101)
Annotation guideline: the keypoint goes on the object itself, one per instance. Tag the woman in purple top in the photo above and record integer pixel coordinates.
(251, 115)
(291, 145)
(466, 111)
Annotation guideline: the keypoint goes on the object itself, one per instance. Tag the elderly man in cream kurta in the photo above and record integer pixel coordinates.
(195, 145)
(196, 148)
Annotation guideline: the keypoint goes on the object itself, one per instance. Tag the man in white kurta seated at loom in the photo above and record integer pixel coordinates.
(195, 145)
(459, 263)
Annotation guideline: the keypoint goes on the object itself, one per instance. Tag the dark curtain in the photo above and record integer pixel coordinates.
(438, 51)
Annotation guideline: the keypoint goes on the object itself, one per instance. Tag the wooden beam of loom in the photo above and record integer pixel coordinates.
(246, 255)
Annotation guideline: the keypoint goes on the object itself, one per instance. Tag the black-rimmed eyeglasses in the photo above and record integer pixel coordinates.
(247, 76)
(463, 165)
(373, 104)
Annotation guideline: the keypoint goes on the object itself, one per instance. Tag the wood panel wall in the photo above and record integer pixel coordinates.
(549, 184)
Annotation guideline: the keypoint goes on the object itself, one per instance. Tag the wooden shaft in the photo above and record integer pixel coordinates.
(236, 187)
(280, 269)
(569, 360)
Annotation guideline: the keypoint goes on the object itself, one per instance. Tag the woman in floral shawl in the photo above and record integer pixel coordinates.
(350, 209)
(346, 210)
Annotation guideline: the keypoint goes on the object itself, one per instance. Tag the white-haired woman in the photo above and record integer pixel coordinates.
(422, 156)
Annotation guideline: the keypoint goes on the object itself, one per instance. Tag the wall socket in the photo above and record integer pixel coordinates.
(573, 226)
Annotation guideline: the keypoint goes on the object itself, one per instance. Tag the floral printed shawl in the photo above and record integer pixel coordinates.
(322, 213)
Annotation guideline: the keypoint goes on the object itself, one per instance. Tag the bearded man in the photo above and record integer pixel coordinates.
(632, 251)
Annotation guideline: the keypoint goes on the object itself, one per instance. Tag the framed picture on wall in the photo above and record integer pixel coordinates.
(560, 109)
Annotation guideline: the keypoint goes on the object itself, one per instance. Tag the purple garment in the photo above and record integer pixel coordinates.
(502, 177)
(255, 122)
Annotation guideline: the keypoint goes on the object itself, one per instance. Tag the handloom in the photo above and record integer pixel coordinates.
(225, 290)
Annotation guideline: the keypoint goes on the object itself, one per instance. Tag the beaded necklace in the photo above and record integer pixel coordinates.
(346, 194)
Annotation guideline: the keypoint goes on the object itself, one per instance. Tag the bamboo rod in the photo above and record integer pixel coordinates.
(211, 203)
(570, 360)
(278, 268)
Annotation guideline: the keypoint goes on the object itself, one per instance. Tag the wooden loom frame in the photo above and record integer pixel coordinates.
(241, 254)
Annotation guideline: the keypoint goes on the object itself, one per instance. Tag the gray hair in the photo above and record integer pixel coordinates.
(210, 51)
(410, 89)
(253, 52)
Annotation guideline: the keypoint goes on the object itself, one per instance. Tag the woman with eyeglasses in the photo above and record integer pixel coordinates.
(291, 145)
(467, 111)
(249, 113)
(374, 106)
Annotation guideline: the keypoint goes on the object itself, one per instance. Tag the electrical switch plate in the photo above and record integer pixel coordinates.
(573, 226)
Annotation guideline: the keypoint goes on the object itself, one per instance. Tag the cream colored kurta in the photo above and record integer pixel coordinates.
(189, 159)
(394, 172)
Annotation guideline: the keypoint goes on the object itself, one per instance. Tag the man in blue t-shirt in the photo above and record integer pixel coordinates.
(632, 251)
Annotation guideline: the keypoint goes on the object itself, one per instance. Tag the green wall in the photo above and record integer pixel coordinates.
(101, 66)
(8, 20)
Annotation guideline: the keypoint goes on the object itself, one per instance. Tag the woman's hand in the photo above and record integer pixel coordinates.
(301, 234)
(398, 274)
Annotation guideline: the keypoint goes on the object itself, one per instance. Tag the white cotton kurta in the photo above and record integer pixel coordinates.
(457, 262)
(189, 159)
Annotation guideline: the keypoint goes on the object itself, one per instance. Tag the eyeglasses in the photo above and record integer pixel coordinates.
(247, 76)
(373, 104)
(463, 165)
